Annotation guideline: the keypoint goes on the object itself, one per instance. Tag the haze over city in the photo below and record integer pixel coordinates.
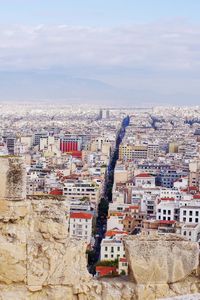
(100, 52)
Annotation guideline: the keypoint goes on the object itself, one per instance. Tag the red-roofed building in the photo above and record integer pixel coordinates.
(143, 175)
(56, 192)
(123, 266)
(145, 180)
(105, 271)
(81, 226)
(114, 232)
(81, 215)
(167, 199)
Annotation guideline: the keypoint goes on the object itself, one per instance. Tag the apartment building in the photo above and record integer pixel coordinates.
(190, 214)
(112, 246)
(79, 189)
(80, 226)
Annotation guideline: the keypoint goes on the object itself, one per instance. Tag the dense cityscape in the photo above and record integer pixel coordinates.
(121, 172)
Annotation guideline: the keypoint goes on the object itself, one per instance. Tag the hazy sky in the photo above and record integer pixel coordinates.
(124, 52)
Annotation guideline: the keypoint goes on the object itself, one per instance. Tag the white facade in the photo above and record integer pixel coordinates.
(145, 181)
(80, 226)
(115, 222)
(170, 193)
(81, 189)
(111, 249)
(190, 214)
(166, 211)
(191, 232)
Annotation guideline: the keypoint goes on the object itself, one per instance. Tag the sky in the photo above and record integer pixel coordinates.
(127, 52)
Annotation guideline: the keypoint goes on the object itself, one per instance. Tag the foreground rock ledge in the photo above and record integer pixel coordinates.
(158, 259)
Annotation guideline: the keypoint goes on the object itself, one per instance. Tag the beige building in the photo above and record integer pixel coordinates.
(194, 175)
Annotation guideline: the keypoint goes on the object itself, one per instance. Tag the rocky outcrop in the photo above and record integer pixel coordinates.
(12, 178)
(39, 261)
(159, 259)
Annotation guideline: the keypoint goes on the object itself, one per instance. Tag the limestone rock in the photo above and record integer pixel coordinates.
(160, 260)
(12, 178)
(12, 263)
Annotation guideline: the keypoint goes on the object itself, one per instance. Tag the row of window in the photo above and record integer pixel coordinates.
(112, 249)
(191, 213)
(80, 233)
(191, 220)
(165, 211)
(79, 226)
(112, 255)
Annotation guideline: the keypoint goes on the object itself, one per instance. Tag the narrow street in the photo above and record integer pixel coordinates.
(101, 222)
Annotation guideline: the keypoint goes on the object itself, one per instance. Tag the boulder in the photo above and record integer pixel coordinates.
(160, 259)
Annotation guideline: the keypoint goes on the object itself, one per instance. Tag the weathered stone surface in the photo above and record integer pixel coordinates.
(160, 259)
(12, 263)
(186, 297)
(52, 256)
(12, 178)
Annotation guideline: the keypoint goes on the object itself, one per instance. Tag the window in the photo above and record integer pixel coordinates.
(106, 248)
(196, 220)
(184, 219)
(189, 233)
(184, 233)
(164, 212)
(118, 248)
(190, 220)
(169, 212)
(106, 255)
(190, 213)
(112, 249)
(169, 218)
(164, 218)
(159, 210)
(111, 255)
(196, 213)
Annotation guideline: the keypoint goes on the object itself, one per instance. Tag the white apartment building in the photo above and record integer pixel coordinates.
(77, 189)
(80, 226)
(190, 214)
(112, 248)
(152, 150)
(145, 180)
(170, 193)
(167, 210)
(191, 232)
(114, 222)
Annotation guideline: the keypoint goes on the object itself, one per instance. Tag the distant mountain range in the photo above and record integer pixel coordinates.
(44, 85)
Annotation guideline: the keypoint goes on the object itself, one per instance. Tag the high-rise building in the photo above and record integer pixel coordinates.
(10, 142)
(100, 114)
(37, 137)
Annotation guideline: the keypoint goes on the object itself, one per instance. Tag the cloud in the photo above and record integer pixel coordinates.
(166, 46)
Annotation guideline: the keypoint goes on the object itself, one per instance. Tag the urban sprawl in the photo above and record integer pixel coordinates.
(120, 171)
